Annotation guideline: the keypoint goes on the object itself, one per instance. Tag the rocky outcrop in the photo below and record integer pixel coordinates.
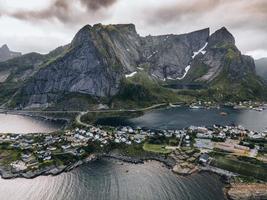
(247, 192)
(221, 37)
(6, 54)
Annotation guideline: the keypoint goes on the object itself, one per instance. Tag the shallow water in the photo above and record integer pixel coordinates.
(23, 124)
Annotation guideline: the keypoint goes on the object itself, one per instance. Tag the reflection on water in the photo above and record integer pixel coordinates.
(23, 124)
(181, 117)
(113, 180)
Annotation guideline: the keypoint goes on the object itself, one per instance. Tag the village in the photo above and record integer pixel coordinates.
(30, 152)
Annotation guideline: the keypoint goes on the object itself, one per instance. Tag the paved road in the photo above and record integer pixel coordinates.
(79, 116)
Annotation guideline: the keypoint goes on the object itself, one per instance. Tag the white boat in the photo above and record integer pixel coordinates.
(195, 107)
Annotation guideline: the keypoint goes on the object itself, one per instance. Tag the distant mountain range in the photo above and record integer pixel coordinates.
(261, 67)
(114, 65)
(6, 54)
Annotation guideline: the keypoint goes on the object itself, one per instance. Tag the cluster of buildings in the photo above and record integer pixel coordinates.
(228, 139)
(40, 148)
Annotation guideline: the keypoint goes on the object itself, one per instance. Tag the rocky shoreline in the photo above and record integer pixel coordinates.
(233, 191)
(168, 162)
(244, 191)
(53, 170)
(56, 170)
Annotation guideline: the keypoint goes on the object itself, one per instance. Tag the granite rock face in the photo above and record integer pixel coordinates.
(6, 54)
(168, 56)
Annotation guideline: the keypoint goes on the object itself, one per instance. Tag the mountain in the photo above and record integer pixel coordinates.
(6, 54)
(261, 67)
(115, 65)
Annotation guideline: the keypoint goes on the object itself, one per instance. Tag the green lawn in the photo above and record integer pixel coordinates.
(241, 167)
(156, 148)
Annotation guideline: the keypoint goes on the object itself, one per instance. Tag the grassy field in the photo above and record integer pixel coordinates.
(156, 148)
(8, 156)
(258, 171)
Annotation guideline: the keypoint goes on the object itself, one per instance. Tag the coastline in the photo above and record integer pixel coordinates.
(56, 170)
(232, 190)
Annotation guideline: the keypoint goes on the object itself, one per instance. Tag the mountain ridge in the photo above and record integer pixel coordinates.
(102, 62)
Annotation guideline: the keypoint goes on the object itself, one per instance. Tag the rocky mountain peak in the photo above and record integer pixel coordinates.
(221, 36)
(5, 48)
(6, 54)
(112, 27)
(82, 36)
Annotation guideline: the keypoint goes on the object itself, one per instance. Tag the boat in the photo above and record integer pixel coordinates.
(174, 105)
(223, 113)
(195, 107)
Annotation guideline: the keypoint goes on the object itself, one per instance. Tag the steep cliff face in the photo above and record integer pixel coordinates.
(221, 54)
(6, 54)
(168, 56)
(102, 61)
(229, 75)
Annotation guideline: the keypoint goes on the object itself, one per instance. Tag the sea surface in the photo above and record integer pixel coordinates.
(113, 180)
(182, 117)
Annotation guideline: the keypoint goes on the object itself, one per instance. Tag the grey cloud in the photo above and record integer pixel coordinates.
(59, 10)
(231, 12)
(97, 4)
(173, 12)
(64, 10)
(246, 19)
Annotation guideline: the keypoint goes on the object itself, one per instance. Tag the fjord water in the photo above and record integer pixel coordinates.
(23, 124)
(182, 117)
(113, 180)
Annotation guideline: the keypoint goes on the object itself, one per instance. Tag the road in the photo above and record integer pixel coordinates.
(79, 116)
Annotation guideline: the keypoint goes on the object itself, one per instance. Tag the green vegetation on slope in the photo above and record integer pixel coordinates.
(142, 91)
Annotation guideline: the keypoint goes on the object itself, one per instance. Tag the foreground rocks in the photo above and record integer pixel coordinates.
(186, 162)
(247, 192)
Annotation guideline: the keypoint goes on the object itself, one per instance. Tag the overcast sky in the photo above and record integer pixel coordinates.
(42, 25)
